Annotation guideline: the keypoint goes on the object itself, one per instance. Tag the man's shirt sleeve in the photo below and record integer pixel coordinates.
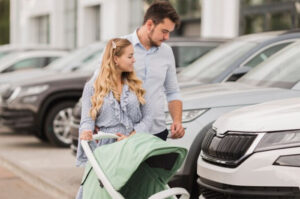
(171, 85)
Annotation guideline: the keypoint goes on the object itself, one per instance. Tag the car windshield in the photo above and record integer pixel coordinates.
(76, 59)
(92, 65)
(211, 65)
(282, 70)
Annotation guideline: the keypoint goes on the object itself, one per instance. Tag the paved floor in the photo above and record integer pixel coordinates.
(13, 187)
(50, 169)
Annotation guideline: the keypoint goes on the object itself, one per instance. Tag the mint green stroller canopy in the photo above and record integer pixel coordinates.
(136, 167)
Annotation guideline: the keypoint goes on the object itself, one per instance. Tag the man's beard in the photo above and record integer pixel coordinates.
(152, 43)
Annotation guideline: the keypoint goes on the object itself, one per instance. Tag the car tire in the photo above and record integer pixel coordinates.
(42, 137)
(57, 124)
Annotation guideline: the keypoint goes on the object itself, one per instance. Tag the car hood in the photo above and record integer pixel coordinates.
(53, 78)
(22, 75)
(9, 79)
(271, 116)
(231, 94)
(188, 84)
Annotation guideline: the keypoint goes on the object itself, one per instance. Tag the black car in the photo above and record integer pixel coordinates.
(43, 105)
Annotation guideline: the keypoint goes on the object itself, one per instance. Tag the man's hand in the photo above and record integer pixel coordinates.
(177, 131)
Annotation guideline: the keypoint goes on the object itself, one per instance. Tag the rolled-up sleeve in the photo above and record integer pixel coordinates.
(171, 85)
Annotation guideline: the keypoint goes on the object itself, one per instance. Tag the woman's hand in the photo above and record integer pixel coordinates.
(86, 135)
(121, 136)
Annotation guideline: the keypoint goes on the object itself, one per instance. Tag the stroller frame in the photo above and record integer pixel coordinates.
(169, 192)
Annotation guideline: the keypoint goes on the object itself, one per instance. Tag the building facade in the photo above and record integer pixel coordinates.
(75, 23)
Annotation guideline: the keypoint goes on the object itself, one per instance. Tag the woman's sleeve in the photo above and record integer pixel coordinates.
(144, 126)
(86, 122)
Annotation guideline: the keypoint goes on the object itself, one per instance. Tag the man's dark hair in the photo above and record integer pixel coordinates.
(160, 10)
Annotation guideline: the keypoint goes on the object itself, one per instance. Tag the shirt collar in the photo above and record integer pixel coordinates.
(136, 40)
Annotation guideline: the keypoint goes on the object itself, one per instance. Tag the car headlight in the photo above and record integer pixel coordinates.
(187, 115)
(27, 91)
(288, 160)
(277, 140)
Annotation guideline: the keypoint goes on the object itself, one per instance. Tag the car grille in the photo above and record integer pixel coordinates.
(227, 150)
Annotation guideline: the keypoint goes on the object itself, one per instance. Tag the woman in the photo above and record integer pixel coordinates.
(117, 104)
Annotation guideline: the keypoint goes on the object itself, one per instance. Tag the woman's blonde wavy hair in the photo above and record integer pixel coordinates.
(107, 78)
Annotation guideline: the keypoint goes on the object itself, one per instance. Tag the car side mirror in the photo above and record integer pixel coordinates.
(296, 86)
(75, 67)
(238, 73)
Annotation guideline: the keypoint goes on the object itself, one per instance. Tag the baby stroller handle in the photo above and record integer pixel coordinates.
(100, 174)
(101, 135)
(171, 192)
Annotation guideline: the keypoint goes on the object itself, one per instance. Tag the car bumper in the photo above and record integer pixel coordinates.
(17, 119)
(255, 176)
(210, 189)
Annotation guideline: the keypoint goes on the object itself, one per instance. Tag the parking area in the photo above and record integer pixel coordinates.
(39, 169)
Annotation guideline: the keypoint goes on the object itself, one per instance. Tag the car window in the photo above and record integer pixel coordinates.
(214, 63)
(75, 59)
(51, 59)
(281, 70)
(3, 54)
(185, 55)
(29, 63)
(93, 56)
(265, 54)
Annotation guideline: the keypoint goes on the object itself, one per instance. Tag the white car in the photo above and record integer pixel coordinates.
(253, 152)
(29, 59)
(276, 78)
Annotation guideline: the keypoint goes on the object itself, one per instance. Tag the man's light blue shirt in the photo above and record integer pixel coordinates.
(156, 68)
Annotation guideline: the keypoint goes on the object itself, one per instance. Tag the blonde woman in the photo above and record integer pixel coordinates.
(117, 104)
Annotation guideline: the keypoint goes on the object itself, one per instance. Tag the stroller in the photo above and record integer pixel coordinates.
(138, 167)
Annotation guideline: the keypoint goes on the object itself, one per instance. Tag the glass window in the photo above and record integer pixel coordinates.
(214, 63)
(70, 13)
(185, 55)
(279, 71)
(76, 58)
(187, 9)
(265, 54)
(2, 54)
(29, 63)
(43, 29)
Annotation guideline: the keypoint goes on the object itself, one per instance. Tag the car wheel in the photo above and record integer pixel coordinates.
(41, 137)
(57, 124)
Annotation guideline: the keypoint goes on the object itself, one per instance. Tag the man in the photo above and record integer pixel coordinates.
(155, 66)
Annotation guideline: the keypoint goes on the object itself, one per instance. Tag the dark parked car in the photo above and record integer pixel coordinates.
(43, 105)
